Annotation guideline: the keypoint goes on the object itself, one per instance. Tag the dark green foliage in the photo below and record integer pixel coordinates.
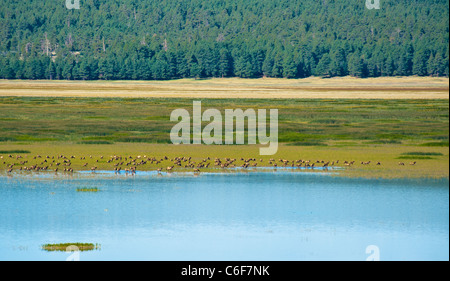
(422, 154)
(14, 151)
(415, 157)
(162, 39)
(442, 143)
(96, 142)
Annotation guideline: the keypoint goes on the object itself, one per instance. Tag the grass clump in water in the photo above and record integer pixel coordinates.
(63, 247)
(88, 189)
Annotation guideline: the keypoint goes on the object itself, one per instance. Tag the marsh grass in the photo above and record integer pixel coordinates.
(442, 143)
(96, 142)
(385, 142)
(316, 128)
(146, 120)
(415, 157)
(5, 139)
(14, 151)
(387, 154)
(63, 247)
(420, 153)
(88, 189)
(307, 143)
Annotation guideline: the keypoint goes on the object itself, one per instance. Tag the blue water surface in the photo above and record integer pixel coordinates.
(266, 215)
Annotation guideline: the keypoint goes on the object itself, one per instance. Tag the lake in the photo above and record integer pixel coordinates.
(240, 216)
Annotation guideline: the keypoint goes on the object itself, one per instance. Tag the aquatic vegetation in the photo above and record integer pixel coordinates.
(63, 247)
(88, 189)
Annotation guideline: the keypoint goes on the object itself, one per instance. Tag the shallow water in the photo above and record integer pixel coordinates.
(264, 215)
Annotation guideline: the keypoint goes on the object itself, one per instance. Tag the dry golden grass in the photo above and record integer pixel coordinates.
(266, 88)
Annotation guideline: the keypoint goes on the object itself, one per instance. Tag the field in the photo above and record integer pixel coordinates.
(387, 120)
(264, 88)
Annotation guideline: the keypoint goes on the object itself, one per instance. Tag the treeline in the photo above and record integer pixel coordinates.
(163, 39)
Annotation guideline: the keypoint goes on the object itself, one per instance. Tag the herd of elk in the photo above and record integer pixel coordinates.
(129, 164)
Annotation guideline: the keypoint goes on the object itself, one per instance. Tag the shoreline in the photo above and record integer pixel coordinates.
(161, 156)
(337, 172)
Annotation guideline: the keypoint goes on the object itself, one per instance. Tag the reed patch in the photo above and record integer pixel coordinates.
(88, 189)
(67, 247)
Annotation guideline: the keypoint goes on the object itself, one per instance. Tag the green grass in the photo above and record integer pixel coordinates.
(307, 143)
(14, 151)
(363, 130)
(147, 120)
(88, 189)
(442, 143)
(63, 247)
(4, 139)
(415, 157)
(95, 142)
(33, 139)
(385, 142)
(437, 167)
(419, 153)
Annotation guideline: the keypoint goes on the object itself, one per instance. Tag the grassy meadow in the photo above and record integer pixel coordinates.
(237, 88)
(413, 131)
